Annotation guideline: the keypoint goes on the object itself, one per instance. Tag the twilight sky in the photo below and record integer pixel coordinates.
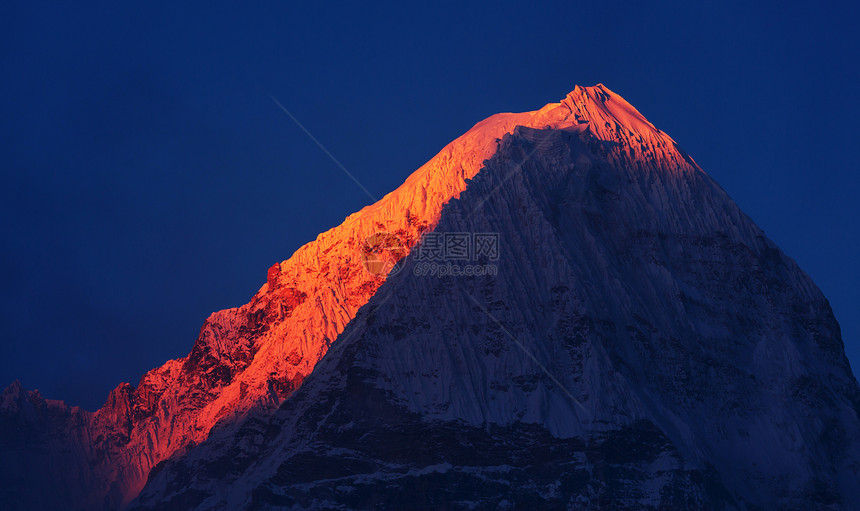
(148, 178)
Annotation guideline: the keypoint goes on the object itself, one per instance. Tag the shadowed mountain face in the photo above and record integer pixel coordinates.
(638, 344)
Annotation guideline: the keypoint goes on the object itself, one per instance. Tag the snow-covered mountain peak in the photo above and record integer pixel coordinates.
(639, 345)
(625, 276)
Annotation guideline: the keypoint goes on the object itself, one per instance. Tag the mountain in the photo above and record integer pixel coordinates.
(631, 341)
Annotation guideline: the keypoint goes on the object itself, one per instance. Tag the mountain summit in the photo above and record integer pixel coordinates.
(580, 318)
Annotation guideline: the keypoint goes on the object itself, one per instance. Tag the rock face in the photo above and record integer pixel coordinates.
(640, 344)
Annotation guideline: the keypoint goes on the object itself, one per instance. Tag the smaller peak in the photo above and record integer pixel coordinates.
(598, 93)
(123, 387)
(605, 90)
(14, 388)
(13, 397)
(580, 89)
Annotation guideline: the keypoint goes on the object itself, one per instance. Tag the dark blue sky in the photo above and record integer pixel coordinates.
(148, 178)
